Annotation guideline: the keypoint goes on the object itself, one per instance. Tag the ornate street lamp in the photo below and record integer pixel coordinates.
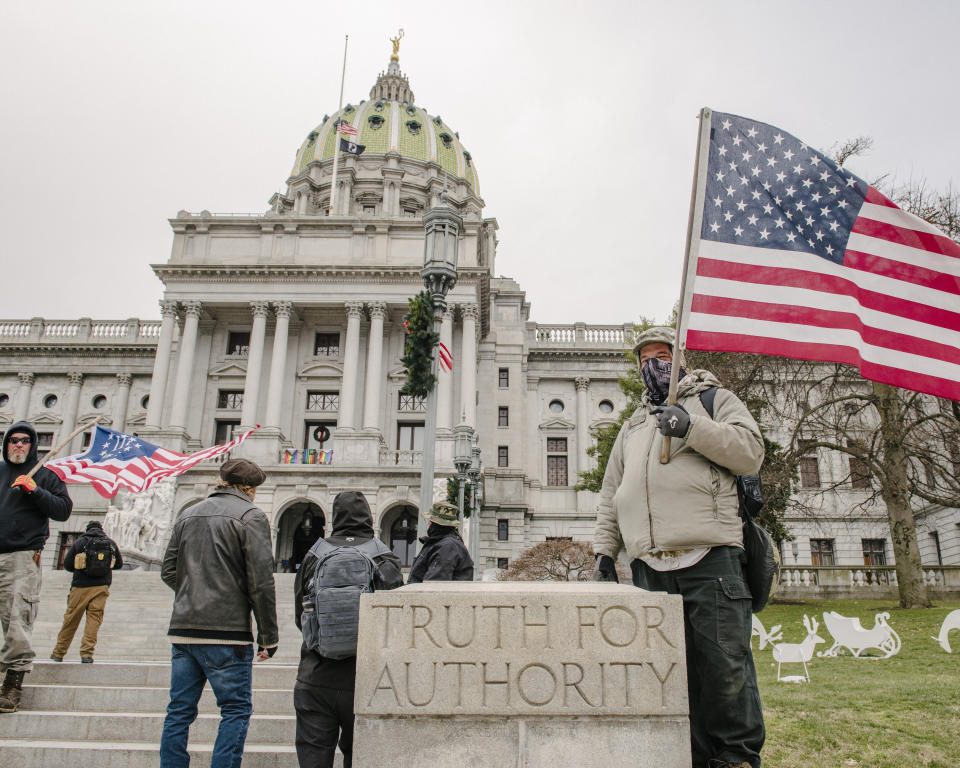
(476, 500)
(462, 456)
(440, 247)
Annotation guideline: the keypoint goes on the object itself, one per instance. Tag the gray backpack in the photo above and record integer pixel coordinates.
(331, 602)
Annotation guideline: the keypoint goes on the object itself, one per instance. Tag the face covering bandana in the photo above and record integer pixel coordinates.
(656, 377)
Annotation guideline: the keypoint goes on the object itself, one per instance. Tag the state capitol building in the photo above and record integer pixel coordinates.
(293, 319)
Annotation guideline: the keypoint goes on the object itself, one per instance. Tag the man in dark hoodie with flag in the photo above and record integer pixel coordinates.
(323, 694)
(27, 504)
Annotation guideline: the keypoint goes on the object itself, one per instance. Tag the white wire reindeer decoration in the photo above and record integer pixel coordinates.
(798, 653)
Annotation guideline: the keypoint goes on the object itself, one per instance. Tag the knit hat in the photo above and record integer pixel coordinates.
(242, 472)
(443, 513)
(94, 524)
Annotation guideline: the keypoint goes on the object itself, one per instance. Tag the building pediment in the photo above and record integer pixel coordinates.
(86, 418)
(229, 368)
(398, 373)
(319, 368)
(45, 418)
(558, 423)
(138, 419)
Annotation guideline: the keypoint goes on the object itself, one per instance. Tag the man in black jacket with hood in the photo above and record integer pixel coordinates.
(323, 694)
(443, 555)
(26, 507)
(89, 589)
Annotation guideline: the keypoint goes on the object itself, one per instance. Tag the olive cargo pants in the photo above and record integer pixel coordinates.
(726, 718)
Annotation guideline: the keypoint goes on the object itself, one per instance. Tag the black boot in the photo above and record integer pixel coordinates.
(11, 691)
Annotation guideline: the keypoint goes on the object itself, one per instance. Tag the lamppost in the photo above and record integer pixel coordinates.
(462, 456)
(440, 246)
(476, 501)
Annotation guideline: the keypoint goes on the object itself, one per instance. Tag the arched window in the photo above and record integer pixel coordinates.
(403, 536)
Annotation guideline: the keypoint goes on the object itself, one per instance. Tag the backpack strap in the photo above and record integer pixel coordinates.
(706, 400)
(374, 548)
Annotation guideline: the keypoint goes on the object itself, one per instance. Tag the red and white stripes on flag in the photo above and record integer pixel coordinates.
(799, 258)
(347, 130)
(446, 358)
(116, 460)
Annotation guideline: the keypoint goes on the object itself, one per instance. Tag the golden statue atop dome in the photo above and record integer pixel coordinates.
(395, 56)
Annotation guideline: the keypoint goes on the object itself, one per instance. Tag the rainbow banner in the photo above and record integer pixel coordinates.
(308, 456)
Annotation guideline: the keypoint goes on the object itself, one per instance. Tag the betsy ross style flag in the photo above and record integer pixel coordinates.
(116, 460)
(797, 257)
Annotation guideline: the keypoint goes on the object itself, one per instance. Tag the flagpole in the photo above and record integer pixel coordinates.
(694, 224)
(336, 128)
(63, 444)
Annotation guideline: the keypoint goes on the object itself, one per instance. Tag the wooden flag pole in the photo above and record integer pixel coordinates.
(336, 131)
(694, 223)
(63, 444)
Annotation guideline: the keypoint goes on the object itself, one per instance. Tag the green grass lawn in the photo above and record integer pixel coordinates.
(868, 713)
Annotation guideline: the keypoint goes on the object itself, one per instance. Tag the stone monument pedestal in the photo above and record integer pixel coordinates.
(526, 674)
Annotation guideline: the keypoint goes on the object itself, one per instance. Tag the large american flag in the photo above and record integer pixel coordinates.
(798, 257)
(115, 460)
(346, 129)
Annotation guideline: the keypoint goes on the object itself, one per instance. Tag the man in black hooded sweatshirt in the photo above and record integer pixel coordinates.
(323, 693)
(443, 555)
(26, 507)
(89, 589)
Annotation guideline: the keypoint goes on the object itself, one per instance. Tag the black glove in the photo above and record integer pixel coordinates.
(674, 420)
(605, 569)
(270, 651)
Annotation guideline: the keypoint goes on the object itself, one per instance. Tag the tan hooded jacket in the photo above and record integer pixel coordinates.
(691, 502)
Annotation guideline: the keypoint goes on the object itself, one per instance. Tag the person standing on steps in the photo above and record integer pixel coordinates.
(92, 559)
(219, 562)
(27, 505)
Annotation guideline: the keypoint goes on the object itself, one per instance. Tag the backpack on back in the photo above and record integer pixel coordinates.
(763, 558)
(331, 602)
(99, 560)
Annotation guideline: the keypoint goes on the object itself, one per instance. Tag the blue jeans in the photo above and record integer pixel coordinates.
(229, 668)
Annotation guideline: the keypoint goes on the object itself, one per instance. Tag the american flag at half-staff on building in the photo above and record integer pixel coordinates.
(797, 257)
(116, 460)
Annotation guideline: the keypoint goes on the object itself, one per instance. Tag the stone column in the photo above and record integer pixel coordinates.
(374, 378)
(351, 366)
(185, 359)
(251, 386)
(444, 377)
(71, 404)
(278, 363)
(22, 409)
(583, 384)
(468, 373)
(161, 365)
(121, 400)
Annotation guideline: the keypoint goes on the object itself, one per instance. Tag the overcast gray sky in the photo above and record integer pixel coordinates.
(581, 118)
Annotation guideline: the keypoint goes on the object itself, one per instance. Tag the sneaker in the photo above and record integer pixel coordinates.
(53, 657)
(89, 660)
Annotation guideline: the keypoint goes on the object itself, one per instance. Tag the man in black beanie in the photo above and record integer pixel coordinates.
(92, 559)
(220, 564)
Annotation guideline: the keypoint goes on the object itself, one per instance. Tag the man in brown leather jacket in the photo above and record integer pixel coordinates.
(220, 564)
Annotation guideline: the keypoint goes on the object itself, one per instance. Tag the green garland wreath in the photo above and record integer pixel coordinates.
(419, 346)
(453, 494)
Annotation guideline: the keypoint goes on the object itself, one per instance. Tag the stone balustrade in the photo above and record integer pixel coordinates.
(581, 334)
(405, 458)
(82, 330)
(859, 580)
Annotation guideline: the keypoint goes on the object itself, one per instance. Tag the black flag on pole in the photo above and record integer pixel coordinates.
(351, 147)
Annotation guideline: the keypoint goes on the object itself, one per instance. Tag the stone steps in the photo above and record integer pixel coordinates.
(59, 754)
(137, 616)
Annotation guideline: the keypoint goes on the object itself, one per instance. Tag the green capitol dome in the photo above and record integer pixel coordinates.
(390, 122)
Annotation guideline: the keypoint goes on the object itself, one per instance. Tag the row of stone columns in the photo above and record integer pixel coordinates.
(349, 387)
(71, 402)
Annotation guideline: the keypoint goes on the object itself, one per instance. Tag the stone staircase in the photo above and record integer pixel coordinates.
(111, 713)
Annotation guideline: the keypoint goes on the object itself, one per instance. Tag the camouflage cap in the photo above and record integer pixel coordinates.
(657, 334)
(443, 513)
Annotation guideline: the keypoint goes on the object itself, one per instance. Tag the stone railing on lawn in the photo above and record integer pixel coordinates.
(859, 580)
